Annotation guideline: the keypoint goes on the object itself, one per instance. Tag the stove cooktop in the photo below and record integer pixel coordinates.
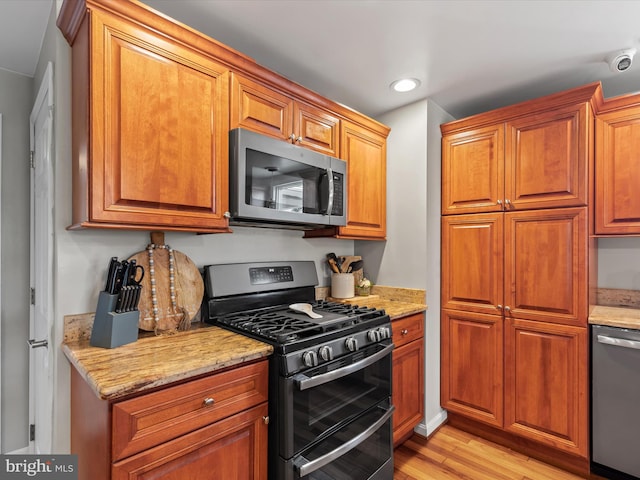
(280, 325)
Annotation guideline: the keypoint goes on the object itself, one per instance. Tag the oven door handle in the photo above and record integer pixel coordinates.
(306, 467)
(304, 382)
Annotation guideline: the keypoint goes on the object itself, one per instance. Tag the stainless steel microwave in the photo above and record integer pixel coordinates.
(278, 184)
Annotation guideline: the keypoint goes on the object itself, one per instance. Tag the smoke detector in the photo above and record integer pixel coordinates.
(622, 60)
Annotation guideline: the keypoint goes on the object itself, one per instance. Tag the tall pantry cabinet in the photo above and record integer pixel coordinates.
(515, 271)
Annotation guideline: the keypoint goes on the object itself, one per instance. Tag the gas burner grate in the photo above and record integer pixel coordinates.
(273, 325)
(348, 309)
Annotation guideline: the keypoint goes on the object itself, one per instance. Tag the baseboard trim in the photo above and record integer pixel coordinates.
(22, 451)
(426, 430)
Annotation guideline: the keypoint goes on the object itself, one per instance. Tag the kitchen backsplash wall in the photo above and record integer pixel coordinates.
(619, 263)
(83, 262)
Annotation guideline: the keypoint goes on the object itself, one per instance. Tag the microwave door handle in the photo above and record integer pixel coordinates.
(306, 467)
(304, 382)
(330, 196)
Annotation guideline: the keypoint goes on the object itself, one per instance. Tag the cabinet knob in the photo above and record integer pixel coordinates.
(507, 202)
(507, 309)
(226, 214)
(207, 402)
(498, 307)
(404, 331)
(299, 139)
(499, 202)
(266, 420)
(292, 137)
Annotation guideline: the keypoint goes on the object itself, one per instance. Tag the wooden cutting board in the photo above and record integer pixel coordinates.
(188, 285)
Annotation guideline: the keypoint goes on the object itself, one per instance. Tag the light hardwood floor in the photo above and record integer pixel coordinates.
(453, 454)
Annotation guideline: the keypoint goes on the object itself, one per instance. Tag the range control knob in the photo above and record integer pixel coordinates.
(310, 359)
(373, 335)
(384, 332)
(351, 344)
(326, 353)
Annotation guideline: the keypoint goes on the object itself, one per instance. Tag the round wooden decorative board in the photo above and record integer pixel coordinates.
(189, 289)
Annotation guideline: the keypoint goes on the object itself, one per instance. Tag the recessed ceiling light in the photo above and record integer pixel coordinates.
(405, 84)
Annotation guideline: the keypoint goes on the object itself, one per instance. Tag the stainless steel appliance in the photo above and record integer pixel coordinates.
(330, 377)
(615, 402)
(275, 183)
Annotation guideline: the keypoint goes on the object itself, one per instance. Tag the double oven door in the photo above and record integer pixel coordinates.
(335, 420)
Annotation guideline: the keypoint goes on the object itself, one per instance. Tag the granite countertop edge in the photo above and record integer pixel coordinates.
(612, 316)
(152, 362)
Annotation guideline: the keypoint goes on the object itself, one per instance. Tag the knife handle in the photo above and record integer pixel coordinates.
(111, 273)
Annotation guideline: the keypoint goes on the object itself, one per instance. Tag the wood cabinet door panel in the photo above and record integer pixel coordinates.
(472, 365)
(472, 262)
(545, 265)
(317, 129)
(546, 368)
(617, 202)
(547, 158)
(408, 388)
(234, 448)
(260, 109)
(366, 157)
(157, 113)
(473, 171)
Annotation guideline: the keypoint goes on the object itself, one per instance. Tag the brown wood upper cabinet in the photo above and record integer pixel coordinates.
(533, 161)
(617, 204)
(366, 155)
(270, 112)
(147, 111)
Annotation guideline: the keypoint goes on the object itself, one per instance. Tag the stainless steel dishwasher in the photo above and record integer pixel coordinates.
(615, 401)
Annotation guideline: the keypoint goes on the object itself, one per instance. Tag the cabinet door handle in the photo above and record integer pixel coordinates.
(207, 402)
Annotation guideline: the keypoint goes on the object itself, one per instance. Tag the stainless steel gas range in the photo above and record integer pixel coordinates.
(329, 378)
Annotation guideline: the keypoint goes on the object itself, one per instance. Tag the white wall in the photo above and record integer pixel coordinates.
(15, 107)
(619, 263)
(410, 257)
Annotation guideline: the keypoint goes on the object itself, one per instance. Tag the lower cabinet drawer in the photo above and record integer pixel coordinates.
(233, 448)
(407, 329)
(149, 420)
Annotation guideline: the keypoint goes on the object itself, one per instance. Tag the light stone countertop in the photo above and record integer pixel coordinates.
(397, 302)
(621, 317)
(154, 361)
(616, 308)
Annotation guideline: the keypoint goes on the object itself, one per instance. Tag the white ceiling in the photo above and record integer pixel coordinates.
(470, 55)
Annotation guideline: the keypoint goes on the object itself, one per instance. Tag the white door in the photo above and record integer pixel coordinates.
(41, 355)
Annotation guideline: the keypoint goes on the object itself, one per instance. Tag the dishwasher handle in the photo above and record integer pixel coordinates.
(618, 342)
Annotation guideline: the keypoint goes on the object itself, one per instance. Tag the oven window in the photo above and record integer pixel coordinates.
(370, 459)
(316, 412)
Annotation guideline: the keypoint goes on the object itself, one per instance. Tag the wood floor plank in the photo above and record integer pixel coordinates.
(454, 454)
